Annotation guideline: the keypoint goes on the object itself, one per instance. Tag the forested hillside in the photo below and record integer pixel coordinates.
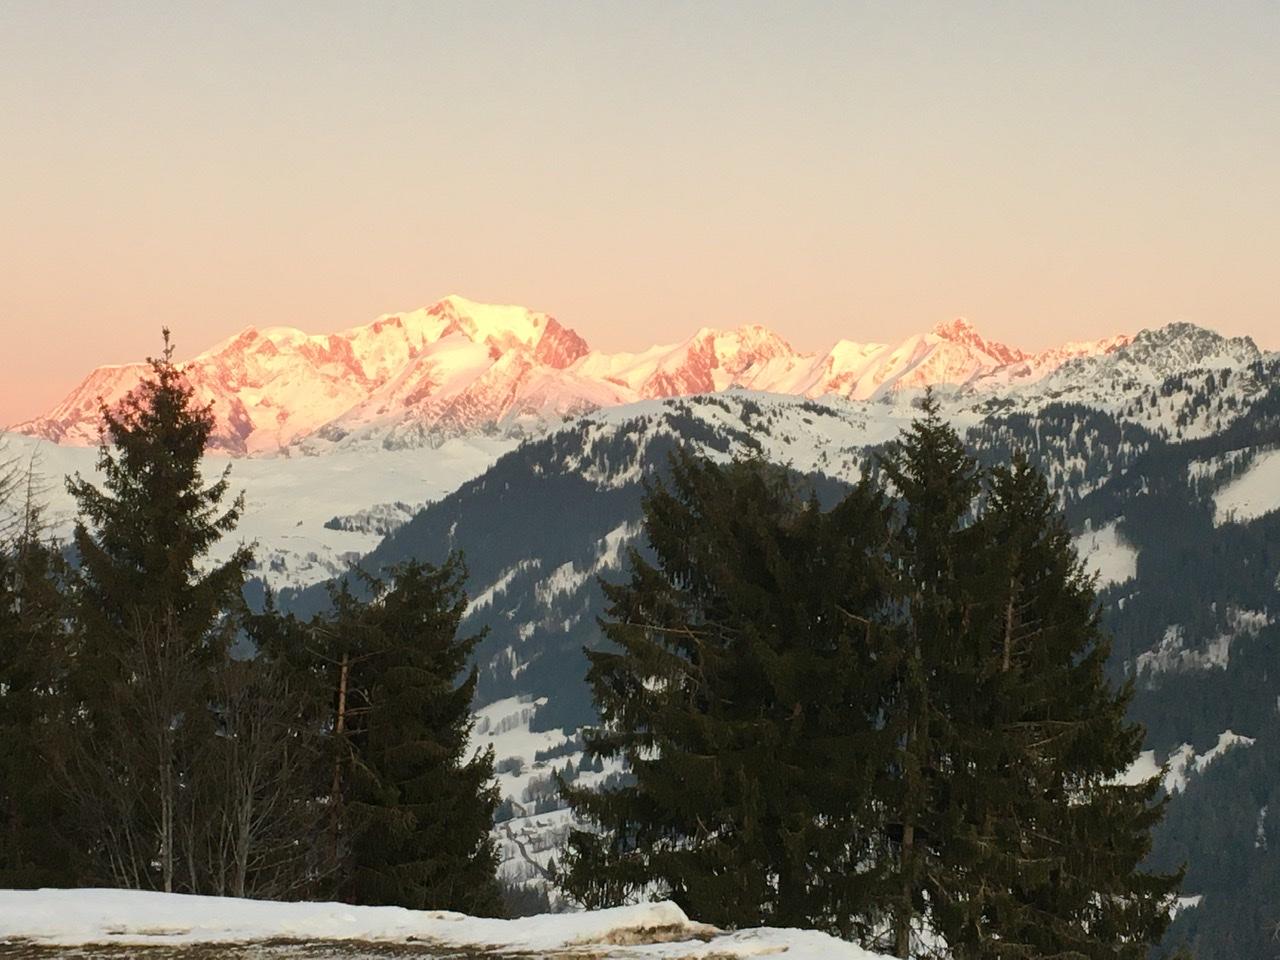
(1166, 491)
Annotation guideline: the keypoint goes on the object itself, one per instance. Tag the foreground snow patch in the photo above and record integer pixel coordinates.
(79, 917)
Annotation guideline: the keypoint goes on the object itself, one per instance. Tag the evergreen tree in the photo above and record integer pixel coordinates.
(967, 747)
(153, 619)
(1016, 839)
(34, 829)
(739, 691)
(933, 580)
(1046, 859)
(417, 812)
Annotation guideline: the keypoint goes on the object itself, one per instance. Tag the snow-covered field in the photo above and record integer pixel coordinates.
(288, 500)
(74, 918)
(529, 840)
(1106, 553)
(1252, 494)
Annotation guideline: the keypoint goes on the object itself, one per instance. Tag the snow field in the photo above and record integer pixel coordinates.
(1252, 494)
(1107, 554)
(139, 918)
(288, 500)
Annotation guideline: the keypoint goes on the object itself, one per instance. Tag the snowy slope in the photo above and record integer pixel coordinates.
(1106, 554)
(125, 918)
(1253, 494)
(1183, 763)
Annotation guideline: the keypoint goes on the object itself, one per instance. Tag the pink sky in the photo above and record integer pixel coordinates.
(638, 171)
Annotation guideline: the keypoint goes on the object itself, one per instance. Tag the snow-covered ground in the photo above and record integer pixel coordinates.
(1173, 654)
(134, 918)
(1182, 763)
(530, 839)
(1107, 554)
(288, 500)
(1252, 494)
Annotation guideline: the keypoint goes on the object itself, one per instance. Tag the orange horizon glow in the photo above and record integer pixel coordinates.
(638, 172)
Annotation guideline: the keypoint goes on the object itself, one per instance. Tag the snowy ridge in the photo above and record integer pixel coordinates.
(1109, 374)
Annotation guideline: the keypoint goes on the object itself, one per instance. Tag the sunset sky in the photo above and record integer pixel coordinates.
(1051, 171)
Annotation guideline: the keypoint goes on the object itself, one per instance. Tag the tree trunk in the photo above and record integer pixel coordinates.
(1007, 659)
(906, 861)
(244, 841)
(166, 814)
(339, 728)
(902, 936)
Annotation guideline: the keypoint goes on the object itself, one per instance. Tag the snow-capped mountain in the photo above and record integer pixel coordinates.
(270, 388)
(407, 442)
(1110, 373)
(459, 367)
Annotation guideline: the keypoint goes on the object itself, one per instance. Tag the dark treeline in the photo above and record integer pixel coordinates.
(157, 734)
(888, 719)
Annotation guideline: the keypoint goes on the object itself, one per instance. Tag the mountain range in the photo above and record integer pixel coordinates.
(461, 368)
(454, 428)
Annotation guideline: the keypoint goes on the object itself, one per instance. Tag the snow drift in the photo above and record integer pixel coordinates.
(140, 918)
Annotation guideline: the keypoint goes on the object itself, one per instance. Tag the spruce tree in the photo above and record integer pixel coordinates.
(417, 810)
(1016, 839)
(1047, 858)
(984, 814)
(35, 833)
(153, 619)
(739, 691)
(934, 482)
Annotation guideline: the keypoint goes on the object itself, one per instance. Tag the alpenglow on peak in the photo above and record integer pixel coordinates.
(460, 366)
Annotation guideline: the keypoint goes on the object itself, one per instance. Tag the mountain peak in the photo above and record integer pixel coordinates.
(1193, 345)
(752, 337)
(960, 331)
(502, 326)
(957, 328)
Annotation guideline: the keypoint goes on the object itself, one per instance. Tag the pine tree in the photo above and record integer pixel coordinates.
(934, 547)
(1016, 839)
(417, 811)
(153, 619)
(738, 691)
(35, 847)
(983, 811)
(1048, 854)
